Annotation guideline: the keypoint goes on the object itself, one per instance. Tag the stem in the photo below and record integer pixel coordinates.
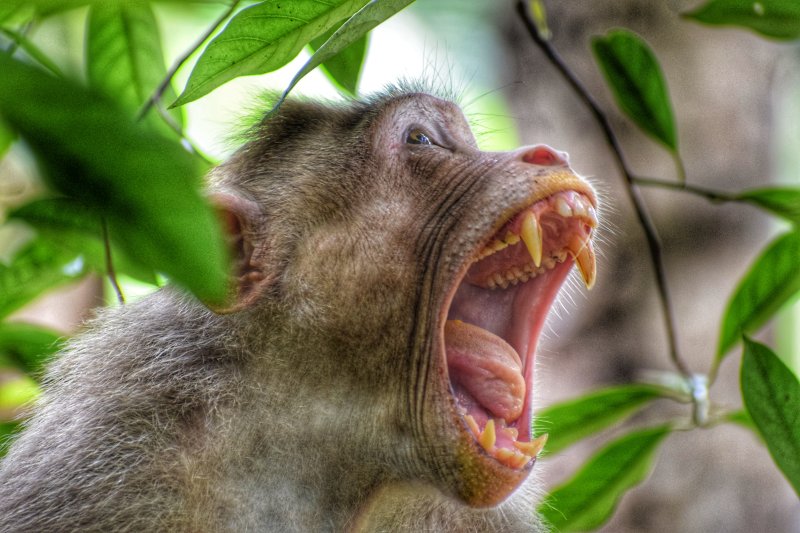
(708, 194)
(633, 193)
(159, 92)
(112, 275)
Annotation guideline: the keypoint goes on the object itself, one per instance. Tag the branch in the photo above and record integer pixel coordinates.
(112, 275)
(709, 194)
(159, 92)
(634, 195)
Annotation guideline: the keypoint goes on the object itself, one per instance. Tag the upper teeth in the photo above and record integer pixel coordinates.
(567, 204)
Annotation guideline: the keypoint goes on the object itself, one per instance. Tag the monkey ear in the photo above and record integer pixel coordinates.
(242, 222)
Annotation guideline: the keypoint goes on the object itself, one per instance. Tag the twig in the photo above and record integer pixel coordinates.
(633, 193)
(159, 92)
(708, 194)
(112, 275)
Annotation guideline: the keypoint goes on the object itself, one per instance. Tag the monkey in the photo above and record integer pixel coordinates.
(372, 367)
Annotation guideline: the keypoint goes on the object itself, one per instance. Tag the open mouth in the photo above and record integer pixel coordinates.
(497, 311)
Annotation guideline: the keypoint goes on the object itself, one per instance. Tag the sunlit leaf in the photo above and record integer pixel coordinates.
(783, 201)
(588, 499)
(771, 394)
(366, 19)
(773, 279)
(779, 19)
(637, 83)
(571, 421)
(28, 345)
(124, 56)
(344, 68)
(38, 267)
(262, 38)
(69, 225)
(145, 185)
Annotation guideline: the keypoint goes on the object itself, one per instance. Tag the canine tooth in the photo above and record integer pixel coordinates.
(533, 447)
(532, 236)
(473, 426)
(592, 214)
(583, 253)
(488, 437)
(563, 208)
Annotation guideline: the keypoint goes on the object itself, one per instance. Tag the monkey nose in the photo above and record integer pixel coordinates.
(543, 155)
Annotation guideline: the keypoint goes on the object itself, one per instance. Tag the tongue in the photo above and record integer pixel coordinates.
(487, 367)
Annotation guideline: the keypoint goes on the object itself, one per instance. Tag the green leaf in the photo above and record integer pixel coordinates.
(262, 38)
(7, 431)
(350, 32)
(568, 422)
(145, 185)
(124, 55)
(783, 201)
(774, 18)
(67, 224)
(771, 394)
(343, 69)
(773, 279)
(28, 345)
(634, 75)
(8, 8)
(36, 268)
(7, 138)
(742, 418)
(588, 499)
(32, 50)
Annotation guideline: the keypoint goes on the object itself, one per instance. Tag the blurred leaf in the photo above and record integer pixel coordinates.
(634, 75)
(588, 499)
(144, 185)
(771, 394)
(50, 7)
(38, 267)
(774, 18)
(69, 225)
(7, 430)
(742, 418)
(262, 38)
(16, 392)
(783, 201)
(344, 68)
(353, 29)
(124, 58)
(568, 422)
(8, 8)
(32, 50)
(7, 138)
(28, 345)
(773, 279)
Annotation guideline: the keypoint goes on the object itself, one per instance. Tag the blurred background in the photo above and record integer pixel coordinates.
(736, 98)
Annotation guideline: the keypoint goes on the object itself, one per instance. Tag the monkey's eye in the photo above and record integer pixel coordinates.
(417, 136)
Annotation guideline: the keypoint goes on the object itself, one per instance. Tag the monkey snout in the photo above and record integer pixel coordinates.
(543, 155)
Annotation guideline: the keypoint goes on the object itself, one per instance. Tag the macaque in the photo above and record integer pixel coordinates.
(372, 369)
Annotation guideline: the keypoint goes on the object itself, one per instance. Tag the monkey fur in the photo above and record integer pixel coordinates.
(316, 398)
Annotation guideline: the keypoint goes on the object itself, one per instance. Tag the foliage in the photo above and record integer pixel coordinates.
(122, 197)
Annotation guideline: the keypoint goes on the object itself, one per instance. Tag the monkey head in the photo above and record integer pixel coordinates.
(415, 272)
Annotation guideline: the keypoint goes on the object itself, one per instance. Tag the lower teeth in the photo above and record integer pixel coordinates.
(515, 458)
